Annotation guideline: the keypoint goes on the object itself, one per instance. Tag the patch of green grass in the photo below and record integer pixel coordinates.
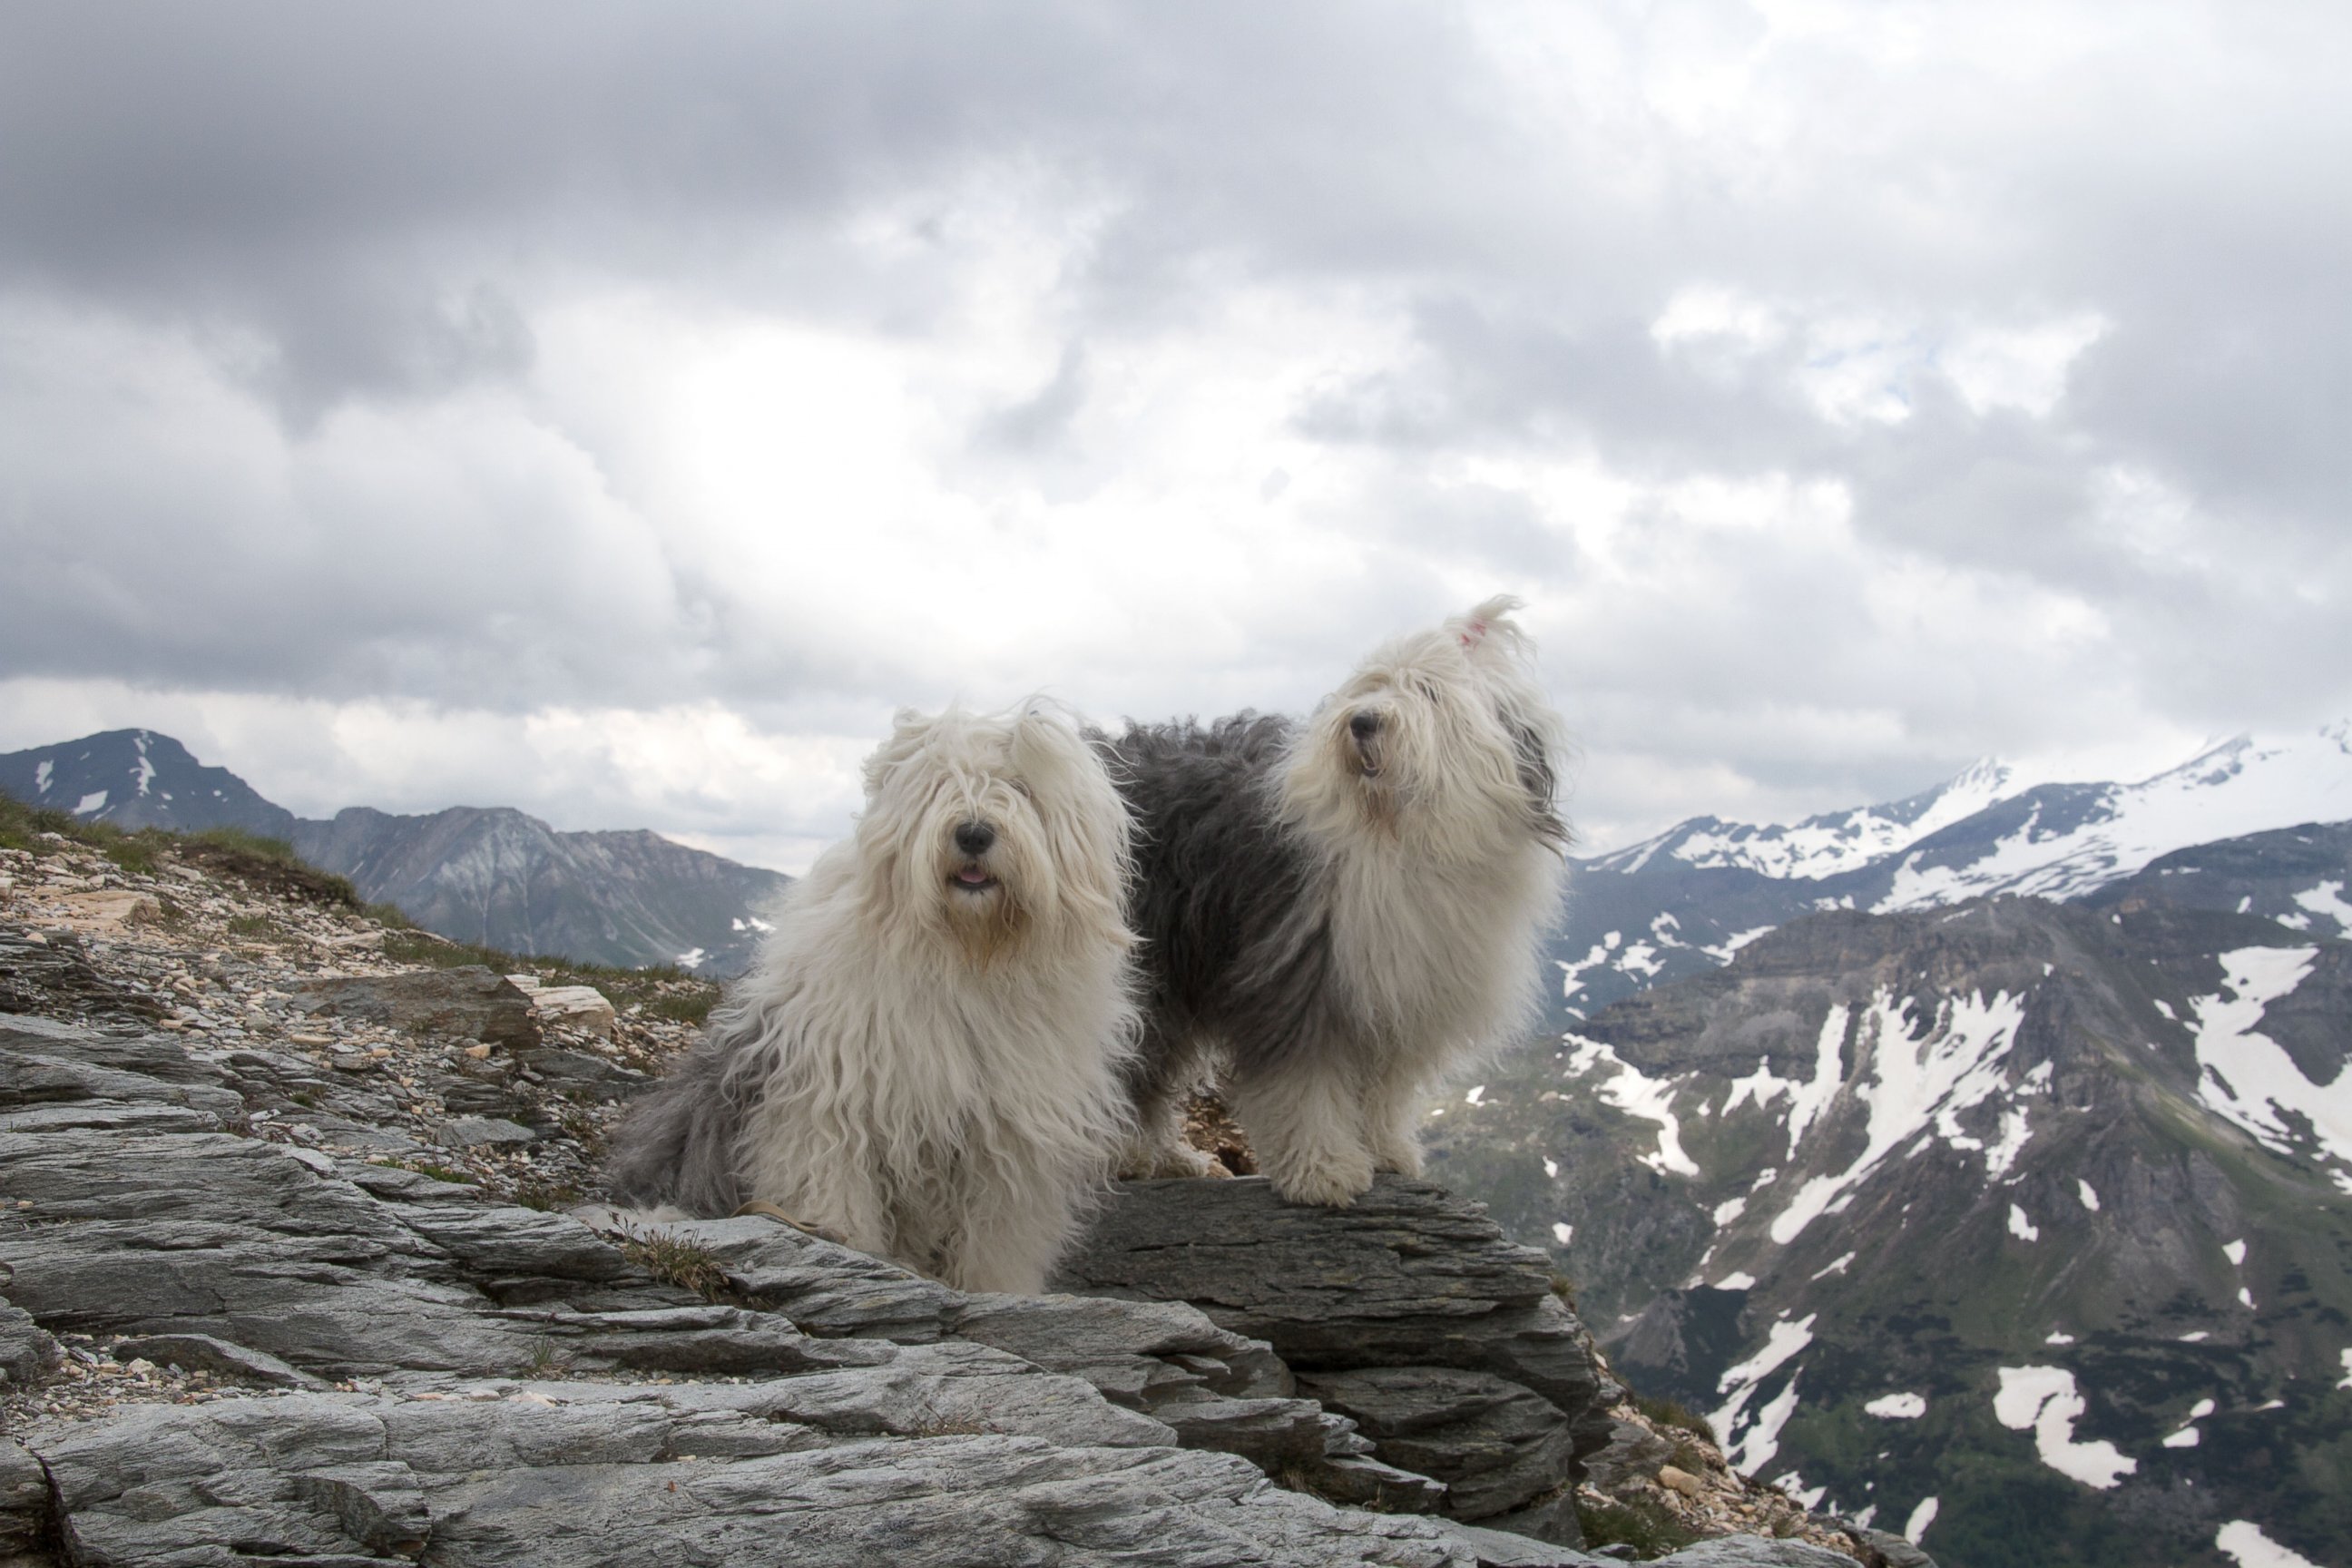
(539, 1192)
(1645, 1526)
(1673, 1415)
(684, 1007)
(675, 1261)
(236, 840)
(270, 865)
(21, 827)
(135, 855)
(259, 926)
(1565, 1288)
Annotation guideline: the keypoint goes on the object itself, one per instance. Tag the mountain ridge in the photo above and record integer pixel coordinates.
(1682, 902)
(494, 876)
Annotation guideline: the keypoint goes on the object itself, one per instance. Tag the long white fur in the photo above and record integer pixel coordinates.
(1439, 892)
(938, 1072)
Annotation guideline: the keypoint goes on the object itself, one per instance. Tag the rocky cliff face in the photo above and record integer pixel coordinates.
(2022, 1227)
(287, 1279)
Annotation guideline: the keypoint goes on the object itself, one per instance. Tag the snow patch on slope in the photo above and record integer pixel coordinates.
(2327, 899)
(2245, 1076)
(1918, 1088)
(2246, 1542)
(1652, 1100)
(2042, 1400)
(1751, 1442)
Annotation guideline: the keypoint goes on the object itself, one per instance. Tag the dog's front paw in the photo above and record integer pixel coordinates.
(1400, 1159)
(1332, 1186)
(1141, 1164)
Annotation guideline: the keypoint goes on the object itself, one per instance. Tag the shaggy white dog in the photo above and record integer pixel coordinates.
(927, 1057)
(1343, 909)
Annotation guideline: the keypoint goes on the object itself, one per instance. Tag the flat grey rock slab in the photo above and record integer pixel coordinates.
(825, 1287)
(483, 1132)
(155, 1055)
(203, 1352)
(535, 1476)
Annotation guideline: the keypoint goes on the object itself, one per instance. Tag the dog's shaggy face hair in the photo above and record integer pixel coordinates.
(926, 1057)
(1342, 909)
(1440, 742)
(978, 834)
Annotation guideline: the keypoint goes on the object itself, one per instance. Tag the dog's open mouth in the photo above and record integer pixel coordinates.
(973, 877)
(1368, 758)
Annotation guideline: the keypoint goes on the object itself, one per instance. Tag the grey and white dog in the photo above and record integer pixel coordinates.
(927, 1057)
(1340, 909)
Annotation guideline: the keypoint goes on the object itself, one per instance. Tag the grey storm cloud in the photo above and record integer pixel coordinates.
(360, 221)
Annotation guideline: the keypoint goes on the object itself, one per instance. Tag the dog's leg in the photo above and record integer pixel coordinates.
(1155, 1143)
(1307, 1132)
(1392, 1109)
(843, 1197)
(1008, 1243)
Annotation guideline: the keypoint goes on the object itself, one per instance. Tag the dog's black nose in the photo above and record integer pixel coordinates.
(974, 837)
(1363, 723)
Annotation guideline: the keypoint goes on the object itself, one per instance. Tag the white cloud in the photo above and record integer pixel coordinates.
(1805, 364)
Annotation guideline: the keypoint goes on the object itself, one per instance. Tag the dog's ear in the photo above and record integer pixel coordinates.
(1044, 747)
(908, 728)
(1539, 776)
(1486, 631)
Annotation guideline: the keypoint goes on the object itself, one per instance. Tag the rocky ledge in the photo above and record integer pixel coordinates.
(225, 1343)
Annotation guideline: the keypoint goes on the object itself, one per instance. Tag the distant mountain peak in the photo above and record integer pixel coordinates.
(139, 778)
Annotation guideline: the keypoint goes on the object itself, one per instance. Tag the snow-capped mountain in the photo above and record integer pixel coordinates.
(2021, 1228)
(1687, 899)
(138, 778)
(1829, 845)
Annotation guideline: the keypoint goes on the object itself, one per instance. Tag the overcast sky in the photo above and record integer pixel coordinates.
(617, 410)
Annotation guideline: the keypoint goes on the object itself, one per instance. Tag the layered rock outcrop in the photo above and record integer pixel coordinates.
(248, 1316)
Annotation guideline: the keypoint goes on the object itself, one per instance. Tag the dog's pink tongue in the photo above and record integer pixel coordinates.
(971, 874)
